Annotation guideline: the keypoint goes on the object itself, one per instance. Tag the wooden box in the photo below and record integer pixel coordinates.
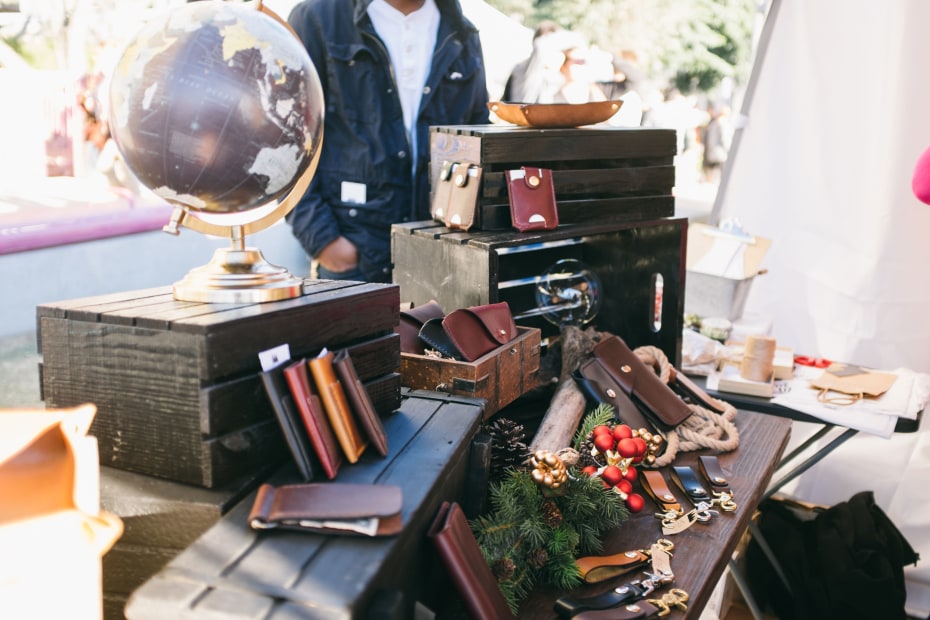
(610, 174)
(177, 384)
(641, 266)
(500, 377)
(233, 572)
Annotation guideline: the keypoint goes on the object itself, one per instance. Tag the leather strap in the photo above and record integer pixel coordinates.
(633, 611)
(686, 387)
(596, 568)
(655, 486)
(689, 482)
(568, 607)
(710, 468)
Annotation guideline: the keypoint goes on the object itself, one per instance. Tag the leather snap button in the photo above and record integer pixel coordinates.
(533, 181)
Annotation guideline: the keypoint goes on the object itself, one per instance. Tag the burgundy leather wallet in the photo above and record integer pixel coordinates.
(640, 382)
(329, 508)
(532, 199)
(479, 330)
(360, 401)
(462, 557)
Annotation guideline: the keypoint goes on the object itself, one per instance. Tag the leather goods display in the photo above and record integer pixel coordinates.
(531, 194)
(285, 409)
(337, 406)
(411, 321)
(462, 557)
(654, 398)
(478, 330)
(442, 191)
(329, 508)
(315, 422)
(463, 196)
(360, 401)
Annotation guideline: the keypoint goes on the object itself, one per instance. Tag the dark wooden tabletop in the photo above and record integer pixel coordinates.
(701, 552)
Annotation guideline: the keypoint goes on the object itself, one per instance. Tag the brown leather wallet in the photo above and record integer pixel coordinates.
(360, 401)
(463, 198)
(462, 557)
(531, 194)
(337, 406)
(314, 419)
(641, 383)
(412, 320)
(329, 508)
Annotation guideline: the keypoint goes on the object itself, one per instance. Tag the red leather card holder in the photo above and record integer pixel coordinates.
(531, 193)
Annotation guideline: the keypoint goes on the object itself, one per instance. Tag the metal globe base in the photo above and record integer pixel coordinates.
(238, 276)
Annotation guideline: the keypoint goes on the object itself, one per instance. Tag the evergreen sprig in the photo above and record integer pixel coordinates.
(530, 538)
(602, 414)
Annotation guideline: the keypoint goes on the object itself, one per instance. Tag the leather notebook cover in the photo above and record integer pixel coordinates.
(531, 194)
(337, 406)
(463, 198)
(462, 557)
(285, 409)
(641, 382)
(479, 330)
(329, 508)
(360, 401)
(314, 419)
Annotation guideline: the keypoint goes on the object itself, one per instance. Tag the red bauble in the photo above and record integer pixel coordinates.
(640, 446)
(589, 470)
(635, 502)
(612, 475)
(603, 442)
(622, 431)
(601, 428)
(628, 448)
(624, 485)
(631, 474)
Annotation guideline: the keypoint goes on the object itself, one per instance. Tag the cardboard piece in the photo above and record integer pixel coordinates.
(728, 254)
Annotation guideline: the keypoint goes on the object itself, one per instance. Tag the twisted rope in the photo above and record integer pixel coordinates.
(704, 428)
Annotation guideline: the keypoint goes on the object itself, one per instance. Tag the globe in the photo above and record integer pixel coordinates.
(216, 107)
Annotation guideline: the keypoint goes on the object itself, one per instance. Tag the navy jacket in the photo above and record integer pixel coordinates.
(364, 140)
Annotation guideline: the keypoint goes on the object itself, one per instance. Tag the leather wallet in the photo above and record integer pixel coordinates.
(285, 409)
(337, 406)
(329, 508)
(478, 330)
(462, 557)
(411, 321)
(315, 423)
(434, 336)
(531, 194)
(360, 401)
(442, 191)
(655, 399)
(463, 196)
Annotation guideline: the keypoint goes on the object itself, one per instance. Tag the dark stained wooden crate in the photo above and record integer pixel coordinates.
(236, 572)
(462, 269)
(177, 385)
(601, 174)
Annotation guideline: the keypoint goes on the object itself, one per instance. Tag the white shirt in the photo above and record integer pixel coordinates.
(410, 40)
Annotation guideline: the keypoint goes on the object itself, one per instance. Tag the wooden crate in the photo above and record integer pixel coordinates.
(462, 269)
(177, 385)
(235, 572)
(601, 174)
(500, 377)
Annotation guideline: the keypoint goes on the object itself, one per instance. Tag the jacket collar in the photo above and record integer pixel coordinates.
(449, 9)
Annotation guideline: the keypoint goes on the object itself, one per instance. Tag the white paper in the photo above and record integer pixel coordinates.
(275, 356)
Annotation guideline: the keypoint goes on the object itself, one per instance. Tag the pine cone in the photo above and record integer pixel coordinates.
(551, 514)
(584, 453)
(537, 558)
(507, 445)
(503, 569)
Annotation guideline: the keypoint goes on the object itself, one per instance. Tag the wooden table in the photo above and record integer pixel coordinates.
(703, 551)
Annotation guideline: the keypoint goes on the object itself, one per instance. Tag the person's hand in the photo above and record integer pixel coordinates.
(340, 255)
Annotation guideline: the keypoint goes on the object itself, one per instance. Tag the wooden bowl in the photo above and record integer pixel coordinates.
(555, 115)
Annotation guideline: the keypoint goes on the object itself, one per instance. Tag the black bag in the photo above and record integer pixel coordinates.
(845, 562)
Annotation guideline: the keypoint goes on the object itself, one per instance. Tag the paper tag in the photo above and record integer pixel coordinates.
(273, 357)
(354, 193)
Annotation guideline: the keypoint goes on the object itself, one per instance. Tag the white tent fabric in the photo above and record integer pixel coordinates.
(839, 117)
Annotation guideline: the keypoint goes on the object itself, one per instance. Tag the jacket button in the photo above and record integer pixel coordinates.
(353, 212)
(426, 90)
(402, 154)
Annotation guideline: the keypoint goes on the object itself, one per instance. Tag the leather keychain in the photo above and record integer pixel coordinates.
(641, 610)
(597, 568)
(719, 485)
(674, 519)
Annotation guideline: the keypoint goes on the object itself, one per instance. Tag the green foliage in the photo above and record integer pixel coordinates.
(602, 414)
(533, 538)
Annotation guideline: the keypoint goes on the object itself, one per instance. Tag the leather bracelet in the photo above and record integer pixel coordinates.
(654, 484)
(710, 468)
